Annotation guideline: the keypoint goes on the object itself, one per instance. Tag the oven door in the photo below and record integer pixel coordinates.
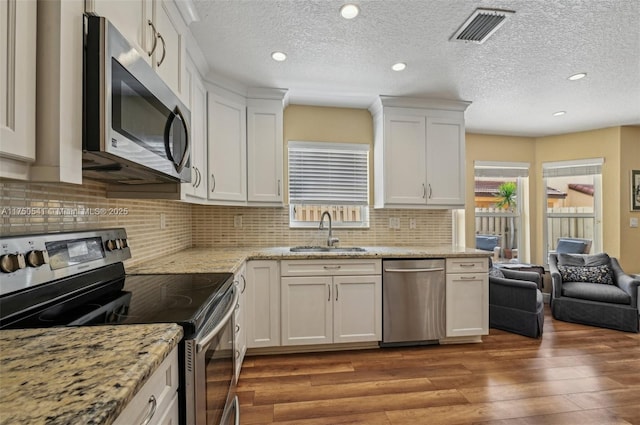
(209, 369)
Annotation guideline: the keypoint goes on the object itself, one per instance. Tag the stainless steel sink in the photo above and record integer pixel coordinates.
(326, 249)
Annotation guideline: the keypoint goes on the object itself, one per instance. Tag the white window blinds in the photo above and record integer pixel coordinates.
(328, 173)
(580, 167)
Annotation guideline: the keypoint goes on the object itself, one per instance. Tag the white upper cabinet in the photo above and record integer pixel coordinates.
(227, 148)
(152, 28)
(133, 18)
(17, 87)
(265, 150)
(168, 59)
(419, 153)
(196, 190)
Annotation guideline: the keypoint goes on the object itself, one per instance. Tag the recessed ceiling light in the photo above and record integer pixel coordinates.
(279, 56)
(559, 113)
(579, 76)
(400, 66)
(349, 11)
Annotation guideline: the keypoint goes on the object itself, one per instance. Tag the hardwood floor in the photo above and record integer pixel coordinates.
(574, 375)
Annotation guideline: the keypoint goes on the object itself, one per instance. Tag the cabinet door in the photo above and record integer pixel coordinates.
(168, 58)
(445, 161)
(467, 304)
(131, 18)
(197, 98)
(262, 303)
(307, 313)
(227, 150)
(404, 159)
(357, 309)
(264, 152)
(17, 84)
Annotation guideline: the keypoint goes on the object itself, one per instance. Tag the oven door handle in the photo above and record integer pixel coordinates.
(204, 342)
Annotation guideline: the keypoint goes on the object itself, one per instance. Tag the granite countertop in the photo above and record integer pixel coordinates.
(83, 375)
(215, 260)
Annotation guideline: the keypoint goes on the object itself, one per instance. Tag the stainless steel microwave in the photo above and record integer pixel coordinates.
(135, 129)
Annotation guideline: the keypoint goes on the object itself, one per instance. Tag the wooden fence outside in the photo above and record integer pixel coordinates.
(565, 222)
(342, 213)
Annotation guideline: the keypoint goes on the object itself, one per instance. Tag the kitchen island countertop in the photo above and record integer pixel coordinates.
(77, 375)
(218, 260)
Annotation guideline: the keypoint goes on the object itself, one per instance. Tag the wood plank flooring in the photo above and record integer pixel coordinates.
(574, 375)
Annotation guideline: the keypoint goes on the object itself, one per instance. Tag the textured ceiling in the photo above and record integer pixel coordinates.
(516, 79)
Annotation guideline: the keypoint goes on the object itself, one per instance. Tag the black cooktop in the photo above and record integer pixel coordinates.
(186, 299)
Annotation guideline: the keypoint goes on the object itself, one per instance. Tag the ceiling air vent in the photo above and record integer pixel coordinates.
(480, 25)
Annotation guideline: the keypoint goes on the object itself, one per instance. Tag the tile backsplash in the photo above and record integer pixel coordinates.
(213, 226)
(48, 207)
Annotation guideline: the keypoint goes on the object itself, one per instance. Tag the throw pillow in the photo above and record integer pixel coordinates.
(570, 259)
(592, 274)
(495, 272)
(601, 259)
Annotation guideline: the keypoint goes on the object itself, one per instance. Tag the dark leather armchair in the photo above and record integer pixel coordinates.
(515, 302)
(612, 305)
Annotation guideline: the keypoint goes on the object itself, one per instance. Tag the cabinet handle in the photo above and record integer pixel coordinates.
(329, 288)
(337, 292)
(424, 191)
(164, 50)
(155, 38)
(467, 265)
(195, 180)
(213, 181)
(467, 278)
(430, 191)
(199, 177)
(331, 267)
(152, 410)
(244, 283)
(237, 328)
(278, 187)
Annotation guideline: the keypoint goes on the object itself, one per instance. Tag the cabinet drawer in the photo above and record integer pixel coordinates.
(162, 385)
(467, 265)
(330, 267)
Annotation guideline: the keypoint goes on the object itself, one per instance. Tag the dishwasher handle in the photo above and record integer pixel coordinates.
(435, 269)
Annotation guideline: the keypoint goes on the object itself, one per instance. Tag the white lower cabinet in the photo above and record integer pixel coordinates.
(330, 308)
(262, 303)
(156, 403)
(467, 297)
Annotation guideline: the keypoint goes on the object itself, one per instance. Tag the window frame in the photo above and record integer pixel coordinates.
(364, 222)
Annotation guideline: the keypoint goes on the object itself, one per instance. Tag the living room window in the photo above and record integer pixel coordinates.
(330, 177)
(573, 203)
(501, 209)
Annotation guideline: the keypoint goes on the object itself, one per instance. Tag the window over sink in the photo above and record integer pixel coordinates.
(330, 177)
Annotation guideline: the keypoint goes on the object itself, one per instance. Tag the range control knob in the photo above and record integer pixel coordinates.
(123, 243)
(112, 244)
(36, 258)
(9, 263)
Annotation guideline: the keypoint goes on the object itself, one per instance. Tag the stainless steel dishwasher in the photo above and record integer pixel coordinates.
(413, 302)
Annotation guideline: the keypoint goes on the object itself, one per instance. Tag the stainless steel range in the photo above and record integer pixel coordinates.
(78, 279)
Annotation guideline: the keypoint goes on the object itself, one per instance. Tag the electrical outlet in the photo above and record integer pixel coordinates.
(237, 222)
(633, 222)
(394, 223)
(163, 221)
(412, 223)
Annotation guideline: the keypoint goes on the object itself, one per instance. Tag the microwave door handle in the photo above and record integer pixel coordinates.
(167, 148)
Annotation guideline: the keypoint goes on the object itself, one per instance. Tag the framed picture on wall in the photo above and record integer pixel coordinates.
(635, 190)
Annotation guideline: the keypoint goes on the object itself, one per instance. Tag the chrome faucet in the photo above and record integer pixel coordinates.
(331, 241)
